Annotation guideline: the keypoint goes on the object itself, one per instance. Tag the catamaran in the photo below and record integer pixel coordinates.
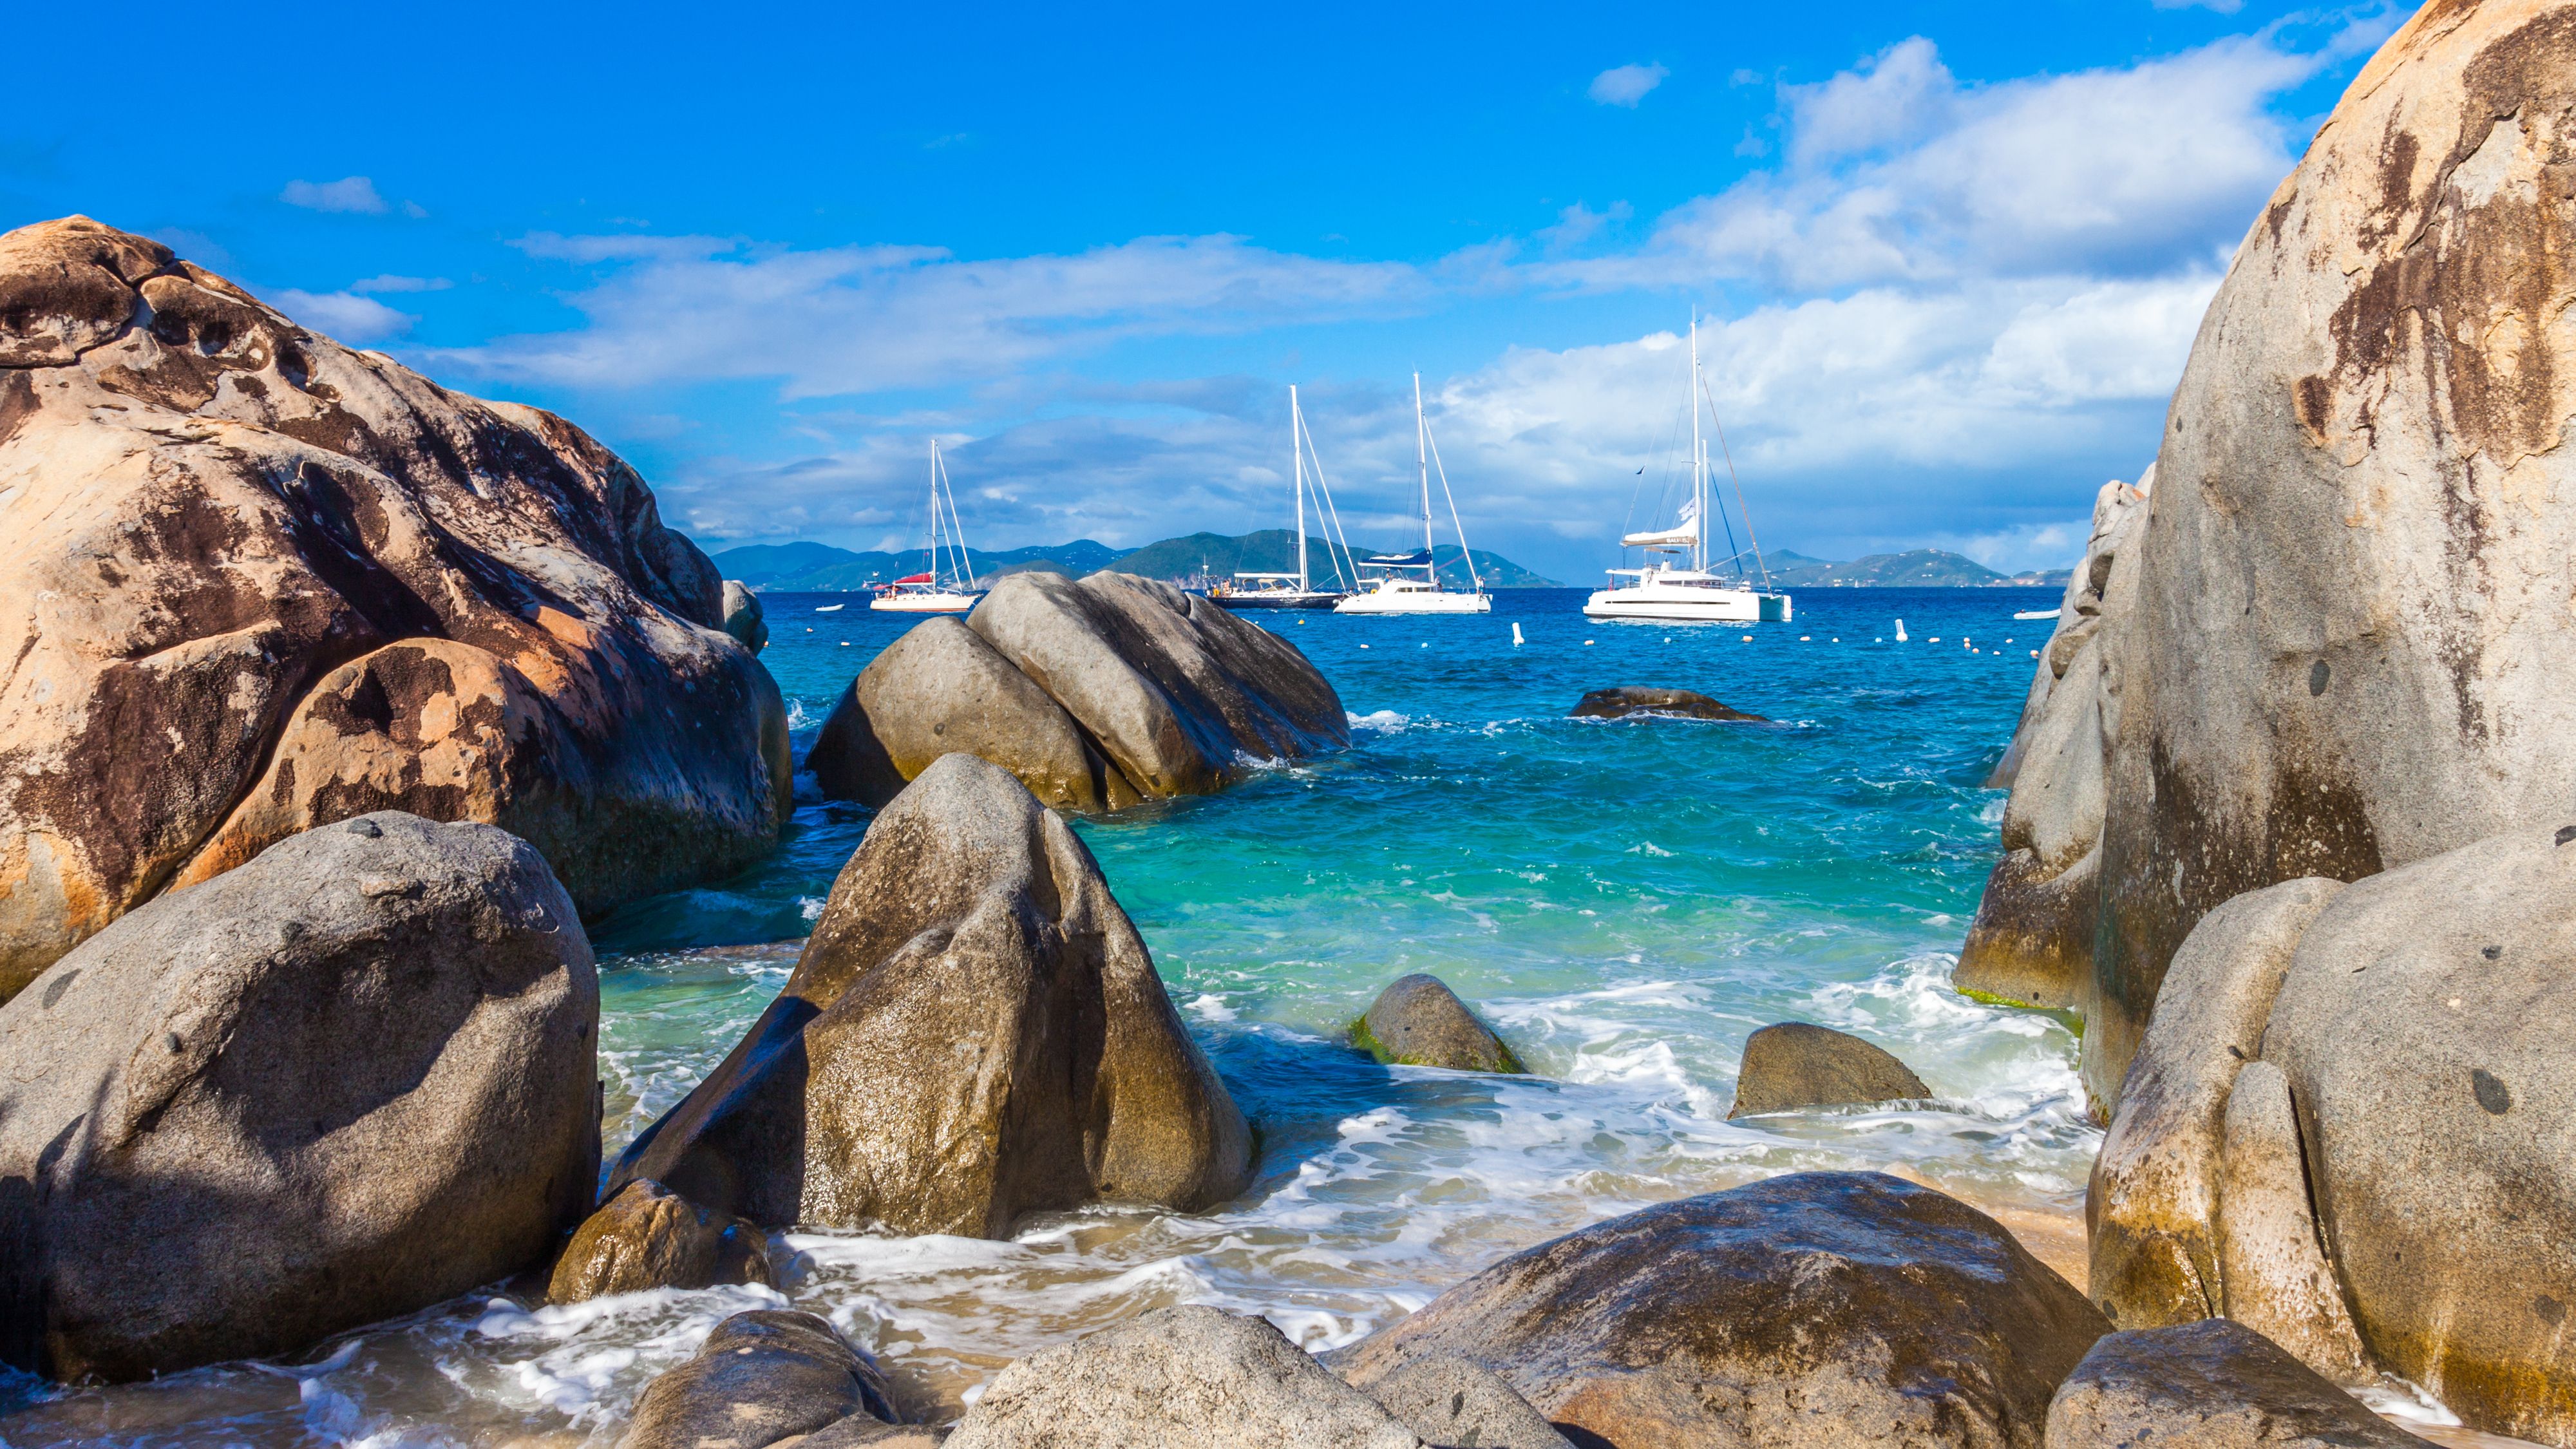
(948, 585)
(1691, 589)
(1396, 590)
(1297, 590)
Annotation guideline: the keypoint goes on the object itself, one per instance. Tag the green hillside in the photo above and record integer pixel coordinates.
(821, 568)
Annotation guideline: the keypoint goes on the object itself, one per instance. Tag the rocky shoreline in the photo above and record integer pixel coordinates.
(342, 700)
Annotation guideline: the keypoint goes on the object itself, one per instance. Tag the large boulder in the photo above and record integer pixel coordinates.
(2208, 1385)
(974, 1031)
(2152, 1210)
(1417, 1021)
(646, 1237)
(1794, 1065)
(762, 1376)
(2031, 943)
(218, 523)
(2429, 1041)
(353, 1077)
(1177, 691)
(742, 616)
(1192, 1375)
(2273, 1274)
(941, 690)
(1452, 1401)
(2352, 646)
(1814, 1309)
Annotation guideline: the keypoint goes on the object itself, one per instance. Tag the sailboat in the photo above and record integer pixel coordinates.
(948, 585)
(1396, 590)
(1690, 589)
(1287, 591)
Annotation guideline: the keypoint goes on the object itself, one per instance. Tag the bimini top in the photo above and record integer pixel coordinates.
(1417, 559)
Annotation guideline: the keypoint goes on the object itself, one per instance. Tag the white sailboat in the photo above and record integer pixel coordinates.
(948, 585)
(1396, 589)
(1689, 589)
(1297, 590)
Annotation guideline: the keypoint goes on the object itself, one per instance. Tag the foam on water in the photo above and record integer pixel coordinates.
(1625, 900)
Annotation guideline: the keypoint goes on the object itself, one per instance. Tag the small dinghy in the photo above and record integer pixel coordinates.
(2038, 613)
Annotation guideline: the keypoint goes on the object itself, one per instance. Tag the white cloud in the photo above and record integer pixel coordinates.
(1626, 85)
(867, 318)
(350, 193)
(345, 316)
(1897, 173)
(391, 283)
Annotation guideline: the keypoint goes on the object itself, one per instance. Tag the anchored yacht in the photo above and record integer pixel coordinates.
(1396, 589)
(1687, 588)
(1297, 590)
(948, 585)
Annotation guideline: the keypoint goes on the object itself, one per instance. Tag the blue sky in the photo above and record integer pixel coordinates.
(1953, 254)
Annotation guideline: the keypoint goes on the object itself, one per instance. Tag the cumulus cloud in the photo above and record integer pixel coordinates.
(349, 193)
(1896, 172)
(344, 315)
(867, 318)
(1626, 85)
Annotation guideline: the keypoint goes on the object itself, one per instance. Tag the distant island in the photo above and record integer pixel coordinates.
(820, 568)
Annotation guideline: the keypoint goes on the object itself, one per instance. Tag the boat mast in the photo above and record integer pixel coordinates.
(1699, 461)
(1422, 456)
(1296, 450)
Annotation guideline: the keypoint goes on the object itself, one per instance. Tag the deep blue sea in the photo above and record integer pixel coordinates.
(1625, 901)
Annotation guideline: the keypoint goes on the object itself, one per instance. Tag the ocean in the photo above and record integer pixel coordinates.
(1624, 900)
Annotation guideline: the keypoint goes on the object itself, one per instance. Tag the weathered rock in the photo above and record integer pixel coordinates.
(2429, 1039)
(1792, 1065)
(2032, 941)
(1456, 1403)
(1196, 1376)
(2352, 647)
(2208, 1385)
(1419, 1022)
(1175, 690)
(762, 1376)
(2272, 1266)
(859, 1430)
(2151, 1210)
(1632, 699)
(352, 1078)
(940, 690)
(1819, 1308)
(974, 1031)
(742, 616)
(211, 511)
(650, 1237)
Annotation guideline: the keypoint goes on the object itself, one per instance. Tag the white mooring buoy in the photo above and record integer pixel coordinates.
(1516, 636)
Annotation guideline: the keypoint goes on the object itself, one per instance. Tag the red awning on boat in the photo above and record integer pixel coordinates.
(918, 579)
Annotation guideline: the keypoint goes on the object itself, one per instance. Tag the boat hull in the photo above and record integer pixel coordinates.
(1415, 603)
(1680, 606)
(925, 603)
(1276, 601)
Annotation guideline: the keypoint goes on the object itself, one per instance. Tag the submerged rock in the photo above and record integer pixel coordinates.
(345, 1081)
(1452, 1401)
(941, 690)
(2151, 1209)
(1793, 1065)
(2352, 647)
(1630, 699)
(1420, 1022)
(762, 1376)
(742, 616)
(2426, 1033)
(1819, 1308)
(647, 1236)
(2032, 941)
(1195, 1375)
(974, 1031)
(220, 524)
(1176, 690)
(2208, 1385)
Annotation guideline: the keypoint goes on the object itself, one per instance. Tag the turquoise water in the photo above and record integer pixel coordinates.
(1626, 901)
